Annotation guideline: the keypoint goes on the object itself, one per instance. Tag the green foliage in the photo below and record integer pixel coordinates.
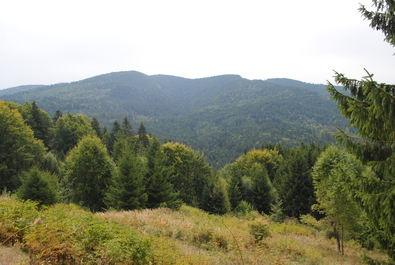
(158, 179)
(294, 182)
(218, 198)
(260, 231)
(220, 116)
(87, 174)
(15, 217)
(69, 235)
(39, 121)
(382, 19)
(143, 137)
(191, 174)
(250, 180)
(38, 186)
(334, 176)
(369, 106)
(19, 149)
(69, 130)
(126, 190)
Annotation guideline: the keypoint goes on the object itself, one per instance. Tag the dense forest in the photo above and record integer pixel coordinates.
(71, 158)
(219, 116)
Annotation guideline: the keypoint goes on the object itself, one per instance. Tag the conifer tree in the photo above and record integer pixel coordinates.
(126, 128)
(295, 183)
(370, 107)
(263, 191)
(96, 127)
(40, 122)
(38, 186)
(143, 137)
(218, 198)
(158, 179)
(127, 190)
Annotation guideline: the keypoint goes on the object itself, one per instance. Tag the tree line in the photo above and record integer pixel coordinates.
(72, 159)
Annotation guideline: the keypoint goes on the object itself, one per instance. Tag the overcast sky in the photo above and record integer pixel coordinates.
(48, 42)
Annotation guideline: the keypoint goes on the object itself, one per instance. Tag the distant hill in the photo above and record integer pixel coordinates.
(318, 88)
(14, 90)
(221, 116)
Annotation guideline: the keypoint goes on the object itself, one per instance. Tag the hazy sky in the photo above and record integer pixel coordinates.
(47, 42)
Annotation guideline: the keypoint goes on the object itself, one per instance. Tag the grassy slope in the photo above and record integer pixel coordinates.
(191, 236)
(187, 236)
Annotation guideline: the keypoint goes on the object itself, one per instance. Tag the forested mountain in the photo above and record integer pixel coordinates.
(13, 90)
(221, 116)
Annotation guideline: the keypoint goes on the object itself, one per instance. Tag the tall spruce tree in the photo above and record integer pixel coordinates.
(143, 137)
(295, 183)
(158, 179)
(370, 106)
(127, 190)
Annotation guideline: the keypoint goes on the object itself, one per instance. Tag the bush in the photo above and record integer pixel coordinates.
(38, 186)
(259, 231)
(70, 235)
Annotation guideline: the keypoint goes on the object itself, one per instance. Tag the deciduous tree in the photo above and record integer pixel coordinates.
(19, 149)
(88, 170)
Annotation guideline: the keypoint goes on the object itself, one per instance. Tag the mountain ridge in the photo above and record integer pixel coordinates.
(222, 116)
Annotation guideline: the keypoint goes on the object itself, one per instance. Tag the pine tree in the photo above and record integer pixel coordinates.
(126, 128)
(263, 191)
(96, 127)
(38, 186)
(143, 137)
(370, 107)
(127, 190)
(218, 198)
(158, 178)
(295, 184)
(40, 122)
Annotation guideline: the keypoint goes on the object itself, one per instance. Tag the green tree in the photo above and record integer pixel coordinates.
(96, 127)
(127, 190)
(382, 19)
(39, 121)
(88, 170)
(69, 130)
(334, 174)
(263, 192)
(218, 198)
(294, 183)
(127, 128)
(191, 173)
(38, 186)
(19, 149)
(370, 107)
(158, 179)
(143, 137)
(250, 180)
(58, 114)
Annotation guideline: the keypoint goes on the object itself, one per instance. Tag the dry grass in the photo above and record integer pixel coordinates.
(191, 236)
(12, 256)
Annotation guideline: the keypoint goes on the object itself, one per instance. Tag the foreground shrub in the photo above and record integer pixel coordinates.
(15, 217)
(70, 235)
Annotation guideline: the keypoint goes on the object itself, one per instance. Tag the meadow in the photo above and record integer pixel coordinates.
(68, 234)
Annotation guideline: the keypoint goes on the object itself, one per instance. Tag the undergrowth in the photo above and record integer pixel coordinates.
(67, 234)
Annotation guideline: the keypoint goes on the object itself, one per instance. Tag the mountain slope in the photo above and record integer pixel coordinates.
(221, 115)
